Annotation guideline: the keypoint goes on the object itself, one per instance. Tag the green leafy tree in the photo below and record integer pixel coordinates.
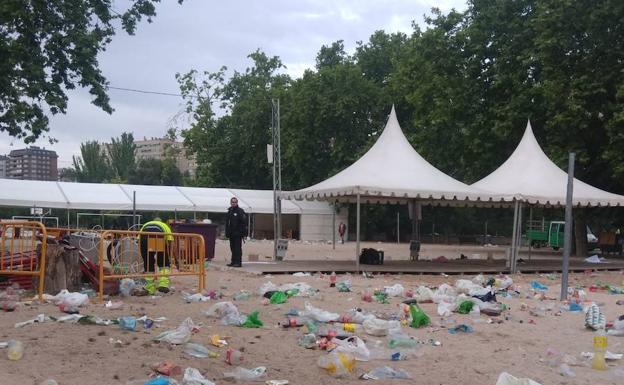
(92, 166)
(170, 174)
(231, 150)
(121, 153)
(147, 172)
(48, 47)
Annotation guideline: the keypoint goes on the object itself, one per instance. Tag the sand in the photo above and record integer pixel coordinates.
(75, 354)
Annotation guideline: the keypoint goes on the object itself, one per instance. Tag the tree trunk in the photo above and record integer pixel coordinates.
(580, 233)
(62, 270)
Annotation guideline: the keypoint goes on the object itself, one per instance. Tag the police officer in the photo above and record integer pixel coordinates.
(235, 230)
(156, 255)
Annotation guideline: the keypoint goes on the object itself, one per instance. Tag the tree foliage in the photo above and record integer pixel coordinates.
(48, 47)
(92, 166)
(121, 154)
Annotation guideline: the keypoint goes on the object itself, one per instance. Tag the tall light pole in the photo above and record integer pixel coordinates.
(277, 174)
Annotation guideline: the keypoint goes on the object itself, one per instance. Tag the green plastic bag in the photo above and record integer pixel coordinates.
(381, 297)
(465, 307)
(343, 287)
(252, 321)
(419, 317)
(278, 297)
(292, 292)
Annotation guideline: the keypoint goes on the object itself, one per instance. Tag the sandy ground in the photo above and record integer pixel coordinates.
(81, 354)
(302, 250)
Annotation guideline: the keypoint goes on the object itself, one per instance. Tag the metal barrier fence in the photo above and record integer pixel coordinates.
(18, 250)
(142, 254)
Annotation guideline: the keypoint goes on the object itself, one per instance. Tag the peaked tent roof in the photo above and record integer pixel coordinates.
(531, 174)
(392, 169)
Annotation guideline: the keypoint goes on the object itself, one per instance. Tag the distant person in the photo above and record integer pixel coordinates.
(235, 230)
(155, 253)
(342, 229)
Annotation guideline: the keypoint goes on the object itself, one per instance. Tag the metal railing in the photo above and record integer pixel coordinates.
(19, 252)
(143, 254)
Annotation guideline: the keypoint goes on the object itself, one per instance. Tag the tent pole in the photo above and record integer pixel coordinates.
(134, 221)
(519, 235)
(530, 223)
(357, 235)
(567, 240)
(398, 229)
(334, 226)
(68, 219)
(513, 239)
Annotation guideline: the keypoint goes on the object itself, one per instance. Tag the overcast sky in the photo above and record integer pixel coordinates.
(205, 35)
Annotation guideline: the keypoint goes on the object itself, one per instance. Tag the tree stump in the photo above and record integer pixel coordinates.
(62, 270)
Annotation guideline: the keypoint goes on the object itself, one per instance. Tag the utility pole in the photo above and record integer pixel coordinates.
(277, 174)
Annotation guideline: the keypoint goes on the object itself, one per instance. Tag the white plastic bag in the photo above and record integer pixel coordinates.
(319, 315)
(197, 297)
(227, 312)
(395, 290)
(423, 294)
(507, 379)
(68, 299)
(465, 286)
(267, 286)
(192, 376)
(445, 309)
(354, 346)
(243, 374)
(126, 286)
(378, 327)
(337, 364)
(180, 335)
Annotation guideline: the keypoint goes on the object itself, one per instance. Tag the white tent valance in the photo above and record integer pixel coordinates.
(534, 178)
(393, 171)
(118, 197)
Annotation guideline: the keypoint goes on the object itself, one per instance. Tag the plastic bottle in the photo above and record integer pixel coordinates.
(386, 372)
(240, 373)
(198, 351)
(600, 348)
(233, 357)
(49, 382)
(475, 314)
(242, 295)
(15, 350)
(402, 342)
(127, 323)
(293, 322)
(351, 327)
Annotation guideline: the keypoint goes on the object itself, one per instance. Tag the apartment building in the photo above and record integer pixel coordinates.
(32, 163)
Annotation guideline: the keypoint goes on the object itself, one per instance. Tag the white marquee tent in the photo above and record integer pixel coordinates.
(392, 171)
(530, 174)
(119, 197)
(534, 179)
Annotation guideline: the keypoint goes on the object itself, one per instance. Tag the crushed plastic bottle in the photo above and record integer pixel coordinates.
(199, 351)
(127, 323)
(242, 295)
(386, 373)
(244, 374)
(15, 350)
(402, 342)
(233, 357)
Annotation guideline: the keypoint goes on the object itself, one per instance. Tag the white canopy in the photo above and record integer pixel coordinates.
(118, 197)
(531, 175)
(392, 170)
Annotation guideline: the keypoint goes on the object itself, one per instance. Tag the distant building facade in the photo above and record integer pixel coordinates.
(3, 166)
(156, 148)
(32, 163)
